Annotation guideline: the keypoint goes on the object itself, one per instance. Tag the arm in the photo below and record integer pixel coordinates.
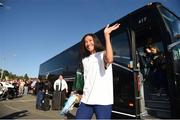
(108, 55)
(66, 87)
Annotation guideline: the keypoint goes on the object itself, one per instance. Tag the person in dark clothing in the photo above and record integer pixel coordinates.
(157, 69)
(40, 94)
(47, 86)
(38, 86)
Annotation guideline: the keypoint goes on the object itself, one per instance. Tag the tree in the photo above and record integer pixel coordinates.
(26, 77)
(12, 76)
(6, 73)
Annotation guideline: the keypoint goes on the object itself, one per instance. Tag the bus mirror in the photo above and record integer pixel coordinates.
(177, 36)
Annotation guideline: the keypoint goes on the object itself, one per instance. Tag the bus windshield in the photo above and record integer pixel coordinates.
(172, 22)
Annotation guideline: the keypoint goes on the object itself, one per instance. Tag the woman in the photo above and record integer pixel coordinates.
(98, 81)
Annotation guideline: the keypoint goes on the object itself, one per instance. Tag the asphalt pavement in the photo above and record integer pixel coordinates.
(25, 108)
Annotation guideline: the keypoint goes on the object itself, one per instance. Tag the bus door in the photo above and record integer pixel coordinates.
(123, 77)
(152, 62)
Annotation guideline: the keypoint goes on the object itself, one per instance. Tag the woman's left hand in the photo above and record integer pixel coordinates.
(108, 29)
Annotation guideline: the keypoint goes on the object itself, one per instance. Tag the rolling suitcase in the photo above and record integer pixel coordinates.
(46, 103)
(56, 100)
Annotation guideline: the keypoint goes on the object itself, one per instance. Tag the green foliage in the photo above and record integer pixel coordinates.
(26, 77)
(6, 74)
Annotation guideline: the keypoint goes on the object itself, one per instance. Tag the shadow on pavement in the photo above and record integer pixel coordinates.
(16, 115)
(70, 116)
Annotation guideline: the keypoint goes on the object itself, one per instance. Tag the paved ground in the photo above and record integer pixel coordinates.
(24, 108)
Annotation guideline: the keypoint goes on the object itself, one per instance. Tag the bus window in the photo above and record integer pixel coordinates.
(176, 52)
(121, 49)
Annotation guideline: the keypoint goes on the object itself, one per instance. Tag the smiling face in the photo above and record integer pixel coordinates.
(89, 44)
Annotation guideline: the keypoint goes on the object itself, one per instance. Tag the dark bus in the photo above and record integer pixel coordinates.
(141, 88)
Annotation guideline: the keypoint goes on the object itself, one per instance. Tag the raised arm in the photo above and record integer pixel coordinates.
(108, 55)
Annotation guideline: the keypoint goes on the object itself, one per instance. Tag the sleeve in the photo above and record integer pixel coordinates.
(54, 86)
(66, 85)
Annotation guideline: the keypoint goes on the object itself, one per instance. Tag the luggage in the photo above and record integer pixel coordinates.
(39, 98)
(56, 100)
(46, 102)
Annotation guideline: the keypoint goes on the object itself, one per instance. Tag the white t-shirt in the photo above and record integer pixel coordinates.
(60, 83)
(98, 81)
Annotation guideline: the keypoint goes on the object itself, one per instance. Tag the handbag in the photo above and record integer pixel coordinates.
(78, 83)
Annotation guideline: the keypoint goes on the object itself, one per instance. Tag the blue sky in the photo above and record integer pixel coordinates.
(33, 31)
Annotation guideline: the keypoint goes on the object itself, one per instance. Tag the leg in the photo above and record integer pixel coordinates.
(84, 111)
(103, 111)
